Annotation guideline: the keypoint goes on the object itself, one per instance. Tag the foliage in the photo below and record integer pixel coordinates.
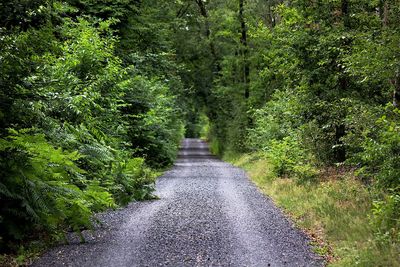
(284, 155)
(38, 189)
(312, 87)
(289, 159)
(384, 218)
(380, 152)
(336, 213)
(154, 128)
(81, 124)
(107, 88)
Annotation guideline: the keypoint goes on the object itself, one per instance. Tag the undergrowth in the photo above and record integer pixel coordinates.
(334, 210)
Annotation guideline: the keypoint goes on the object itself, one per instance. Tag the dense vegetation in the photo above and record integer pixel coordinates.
(89, 103)
(305, 86)
(96, 93)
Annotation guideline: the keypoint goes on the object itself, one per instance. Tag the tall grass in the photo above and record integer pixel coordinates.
(334, 211)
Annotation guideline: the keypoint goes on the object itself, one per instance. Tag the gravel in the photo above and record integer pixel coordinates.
(208, 214)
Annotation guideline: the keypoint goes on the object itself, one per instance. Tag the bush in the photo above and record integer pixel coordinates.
(284, 155)
(277, 119)
(154, 124)
(288, 158)
(38, 189)
(380, 151)
(133, 180)
(83, 128)
(385, 218)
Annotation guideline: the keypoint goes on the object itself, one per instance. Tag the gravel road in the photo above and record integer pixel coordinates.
(208, 214)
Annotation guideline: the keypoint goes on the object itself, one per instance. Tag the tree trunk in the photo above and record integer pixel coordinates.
(340, 151)
(244, 49)
(340, 129)
(396, 94)
(204, 13)
(345, 13)
(385, 14)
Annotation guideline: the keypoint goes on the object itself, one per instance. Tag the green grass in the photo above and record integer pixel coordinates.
(334, 212)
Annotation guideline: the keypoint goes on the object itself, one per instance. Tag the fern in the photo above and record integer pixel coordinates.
(38, 189)
(85, 117)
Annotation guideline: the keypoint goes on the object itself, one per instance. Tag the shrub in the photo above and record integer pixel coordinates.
(380, 151)
(38, 191)
(385, 218)
(92, 128)
(288, 158)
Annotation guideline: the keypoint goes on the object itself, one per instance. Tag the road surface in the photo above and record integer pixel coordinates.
(208, 214)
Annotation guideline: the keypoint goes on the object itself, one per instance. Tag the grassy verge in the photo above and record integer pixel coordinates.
(335, 212)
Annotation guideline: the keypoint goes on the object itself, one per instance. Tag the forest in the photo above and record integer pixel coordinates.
(96, 95)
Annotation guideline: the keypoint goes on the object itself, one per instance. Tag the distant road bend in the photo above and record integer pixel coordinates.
(208, 214)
